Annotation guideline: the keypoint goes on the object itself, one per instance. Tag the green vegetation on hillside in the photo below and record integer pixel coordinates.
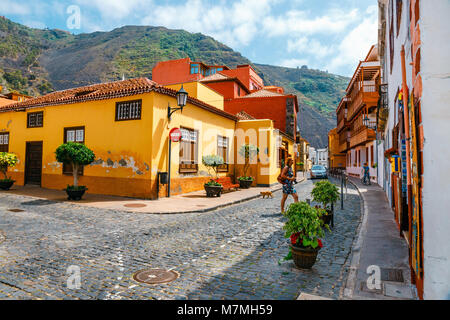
(35, 62)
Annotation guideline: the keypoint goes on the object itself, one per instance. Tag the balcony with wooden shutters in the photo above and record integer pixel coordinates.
(344, 141)
(360, 134)
(363, 88)
(341, 114)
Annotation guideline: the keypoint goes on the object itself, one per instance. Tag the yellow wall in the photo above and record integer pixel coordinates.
(337, 159)
(112, 141)
(209, 126)
(201, 92)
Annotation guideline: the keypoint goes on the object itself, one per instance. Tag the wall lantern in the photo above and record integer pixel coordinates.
(368, 123)
(181, 101)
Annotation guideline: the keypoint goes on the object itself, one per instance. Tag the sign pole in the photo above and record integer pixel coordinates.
(168, 172)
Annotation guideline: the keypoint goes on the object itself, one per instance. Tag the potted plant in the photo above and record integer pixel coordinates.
(77, 155)
(326, 193)
(248, 152)
(304, 229)
(374, 165)
(7, 160)
(212, 163)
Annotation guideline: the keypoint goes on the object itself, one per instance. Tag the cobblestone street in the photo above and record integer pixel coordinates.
(231, 253)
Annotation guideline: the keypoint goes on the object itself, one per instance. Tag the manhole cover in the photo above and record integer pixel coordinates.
(155, 276)
(135, 205)
(16, 210)
(366, 289)
(395, 275)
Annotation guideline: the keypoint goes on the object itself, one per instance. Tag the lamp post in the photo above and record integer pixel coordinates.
(372, 125)
(181, 96)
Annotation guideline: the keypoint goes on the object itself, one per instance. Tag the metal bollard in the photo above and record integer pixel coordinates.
(342, 192)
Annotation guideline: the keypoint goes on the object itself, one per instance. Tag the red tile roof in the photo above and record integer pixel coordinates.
(242, 115)
(263, 93)
(108, 90)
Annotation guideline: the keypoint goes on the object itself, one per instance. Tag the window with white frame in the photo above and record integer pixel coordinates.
(188, 151)
(222, 150)
(4, 141)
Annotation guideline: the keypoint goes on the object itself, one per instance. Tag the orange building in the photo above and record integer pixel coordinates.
(242, 88)
(336, 158)
(356, 116)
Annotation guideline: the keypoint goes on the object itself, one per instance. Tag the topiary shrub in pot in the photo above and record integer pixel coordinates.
(304, 229)
(212, 163)
(326, 193)
(7, 160)
(77, 155)
(248, 152)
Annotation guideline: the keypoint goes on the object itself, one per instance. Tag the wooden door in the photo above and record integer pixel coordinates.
(33, 165)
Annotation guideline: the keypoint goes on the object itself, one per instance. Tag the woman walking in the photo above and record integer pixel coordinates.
(288, 178)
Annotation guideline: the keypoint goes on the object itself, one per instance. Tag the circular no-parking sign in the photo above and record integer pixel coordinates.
(175, 135)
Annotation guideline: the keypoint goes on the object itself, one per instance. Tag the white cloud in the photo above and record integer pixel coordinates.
(356, 44)
(114, 9)
(301, 22)
(13, 8)
(304, 45)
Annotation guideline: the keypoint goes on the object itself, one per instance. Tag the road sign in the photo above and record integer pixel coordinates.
(175, 135)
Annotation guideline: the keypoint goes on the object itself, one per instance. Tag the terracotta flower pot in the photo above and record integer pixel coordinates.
(304, 258)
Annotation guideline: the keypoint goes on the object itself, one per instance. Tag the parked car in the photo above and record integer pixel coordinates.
(318, 171)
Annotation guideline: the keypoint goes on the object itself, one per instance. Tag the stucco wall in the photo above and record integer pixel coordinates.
(435, 106)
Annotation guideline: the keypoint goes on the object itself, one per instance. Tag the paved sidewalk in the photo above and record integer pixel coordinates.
(378, 245)
(184, 203)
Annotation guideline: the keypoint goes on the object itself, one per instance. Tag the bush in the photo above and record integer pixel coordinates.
(248, 152)
(7, 160)
(304, 226)
(212, 162)
(76, 154)
(326, 193)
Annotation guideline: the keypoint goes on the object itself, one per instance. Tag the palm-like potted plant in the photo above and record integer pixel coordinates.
(248, 152)
(326, 193)
(7, 160)
(304, 229)
(212, 163)
(77, 155)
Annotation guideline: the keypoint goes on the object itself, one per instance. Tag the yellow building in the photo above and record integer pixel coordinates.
(126, 124)
(336, 159)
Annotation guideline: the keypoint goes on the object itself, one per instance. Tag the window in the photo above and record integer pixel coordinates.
(75, 134)
(35, 119)
(372, 159)
(398, 10)
(4, 141)
(239, 91)
(194, 68)
(391, 36)
(188, 151)
(222, 150)
(128, 110)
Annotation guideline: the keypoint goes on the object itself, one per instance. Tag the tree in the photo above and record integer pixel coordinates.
(248, 152)
(212, 163)
(325, 193)
(76, 154)
(7, 160)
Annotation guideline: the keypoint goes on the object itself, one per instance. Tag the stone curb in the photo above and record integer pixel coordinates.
(350, 283)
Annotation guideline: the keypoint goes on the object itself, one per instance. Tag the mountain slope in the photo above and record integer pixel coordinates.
(36, 61)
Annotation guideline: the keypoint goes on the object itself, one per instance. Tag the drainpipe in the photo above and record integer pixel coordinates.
(407, 137)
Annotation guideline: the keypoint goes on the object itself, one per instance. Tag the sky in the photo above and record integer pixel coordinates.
(331, 35)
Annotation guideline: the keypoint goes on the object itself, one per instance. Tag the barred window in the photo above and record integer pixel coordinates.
(4, 141)
(128, 110)
(222, 150)
(188, 151)
(35, 119)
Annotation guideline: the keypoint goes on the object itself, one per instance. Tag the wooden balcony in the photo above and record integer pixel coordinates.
(362, 136)
(344, 143)
(363, 87)
(363, 93)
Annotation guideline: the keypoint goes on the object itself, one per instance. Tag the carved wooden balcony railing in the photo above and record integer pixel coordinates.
(362, 93)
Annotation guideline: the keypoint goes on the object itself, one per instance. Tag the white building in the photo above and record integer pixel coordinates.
(413, 126)
(322, 157)
(313, 155)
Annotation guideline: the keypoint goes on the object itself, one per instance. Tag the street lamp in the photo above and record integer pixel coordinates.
(368, 123)
(181, 102)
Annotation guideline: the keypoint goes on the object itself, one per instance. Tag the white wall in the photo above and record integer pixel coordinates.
(435, 71)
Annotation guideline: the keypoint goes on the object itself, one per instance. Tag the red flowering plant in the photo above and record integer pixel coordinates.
(304, 226)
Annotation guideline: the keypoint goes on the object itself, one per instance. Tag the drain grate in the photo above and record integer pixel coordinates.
(364, 288)
(395, 275)
(135, 205)
(16, 210)
(155, 276)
